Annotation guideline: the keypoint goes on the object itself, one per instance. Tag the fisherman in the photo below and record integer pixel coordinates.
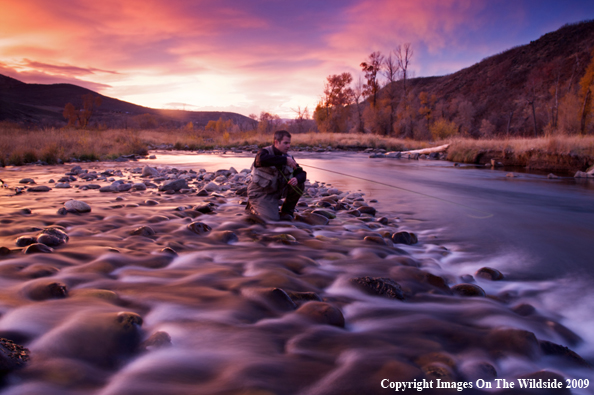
(275, 174)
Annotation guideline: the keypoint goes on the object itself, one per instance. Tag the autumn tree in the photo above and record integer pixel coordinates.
(71, 114)
(81, 116)
(586, 86)
(90, 103)
(371, 68)
(331, 113)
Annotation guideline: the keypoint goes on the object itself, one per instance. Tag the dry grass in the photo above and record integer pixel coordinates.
(466, 150)
(18, 146)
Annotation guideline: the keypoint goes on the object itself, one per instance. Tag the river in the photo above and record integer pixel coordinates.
(177, 309)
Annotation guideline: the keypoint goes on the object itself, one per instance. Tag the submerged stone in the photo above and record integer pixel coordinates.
(408, 238)
(379, 286)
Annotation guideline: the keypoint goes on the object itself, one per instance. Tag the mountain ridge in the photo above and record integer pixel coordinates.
(43, 104)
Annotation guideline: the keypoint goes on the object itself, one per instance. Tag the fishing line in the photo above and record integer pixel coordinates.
(488, 215)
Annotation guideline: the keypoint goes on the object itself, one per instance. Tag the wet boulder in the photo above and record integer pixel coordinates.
(204, 208)
(568, 356)
(502, 342)
(199, 228)
(39, 188)
(225, 236)
(148, 171)
(156, 341)
(174, 185)
(408, 238)
(12, 356)
(37, 248)
(379, 286)
(77, 206)
(367, 210)
(145, 231)
(300, 298)
(43, 289)
(24, 241)
(468, 290)
(104, 340)
(312, 219)
(52, 237)
(488, 273)
(322, 313)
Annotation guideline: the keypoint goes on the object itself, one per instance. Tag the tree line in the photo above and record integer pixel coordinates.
(490, 99)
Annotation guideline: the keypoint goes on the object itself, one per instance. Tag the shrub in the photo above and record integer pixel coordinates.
(29, 156)
(15, 158)
(442, 129)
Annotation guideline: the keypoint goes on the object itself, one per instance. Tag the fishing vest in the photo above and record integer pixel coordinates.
(268, 179)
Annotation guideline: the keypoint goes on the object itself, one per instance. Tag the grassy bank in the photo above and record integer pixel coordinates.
(561, 153)
(18, 146)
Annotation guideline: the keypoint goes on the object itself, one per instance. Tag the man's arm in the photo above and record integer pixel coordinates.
(265, 159)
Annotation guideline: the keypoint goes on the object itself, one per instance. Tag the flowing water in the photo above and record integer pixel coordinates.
(230, 334)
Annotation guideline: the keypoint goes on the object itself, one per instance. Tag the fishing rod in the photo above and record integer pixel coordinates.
(487, 215)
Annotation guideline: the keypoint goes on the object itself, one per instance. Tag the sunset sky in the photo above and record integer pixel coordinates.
(251, 56)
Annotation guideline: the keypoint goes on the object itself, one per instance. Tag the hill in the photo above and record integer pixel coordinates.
(44, 104)
(504, 94)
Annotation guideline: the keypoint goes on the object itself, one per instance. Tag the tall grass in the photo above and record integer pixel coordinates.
(18, 146)
(465, 150)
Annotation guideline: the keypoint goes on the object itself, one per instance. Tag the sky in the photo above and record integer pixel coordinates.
(253, 56)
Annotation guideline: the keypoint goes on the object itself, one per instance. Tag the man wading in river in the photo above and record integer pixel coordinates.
(274, 175)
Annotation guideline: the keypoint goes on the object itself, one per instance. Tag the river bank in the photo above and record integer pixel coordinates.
(174, 289)
(566, 154)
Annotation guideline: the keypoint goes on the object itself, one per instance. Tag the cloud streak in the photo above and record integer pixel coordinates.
(271, 56)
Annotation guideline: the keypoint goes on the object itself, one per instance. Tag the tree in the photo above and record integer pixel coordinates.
(302, 116)
(90, 102)
(403, 54)
(371, 68)
(337, 96)
(357, 94)
(71, 114)
(391, 73)
(586, 94)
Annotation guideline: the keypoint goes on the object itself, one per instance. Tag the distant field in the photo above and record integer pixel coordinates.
(18, 146)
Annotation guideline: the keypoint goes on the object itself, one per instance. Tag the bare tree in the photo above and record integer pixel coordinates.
(302, 116)
(391, 73)
(358, 89)
(403, 54)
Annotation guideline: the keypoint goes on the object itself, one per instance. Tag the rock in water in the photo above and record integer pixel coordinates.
(367, 210)
(405, 238)
(313, 219)
(37, 247)
(12, 356)
(468, 290)
(199, 228)
(488, 273)
(322, 313)
(379, 286)
(39, 188)
(174, 185)
(52, 237)
(25, 241)
(148, 171)
(77, 206)
(212, 187)
(145, 231)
